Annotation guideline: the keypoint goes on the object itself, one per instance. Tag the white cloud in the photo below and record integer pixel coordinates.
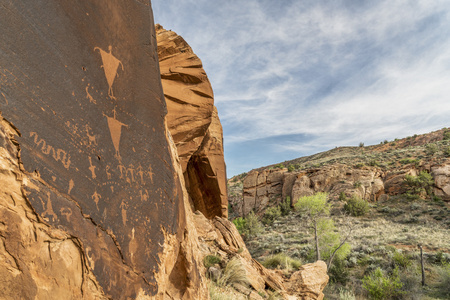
(337, 71)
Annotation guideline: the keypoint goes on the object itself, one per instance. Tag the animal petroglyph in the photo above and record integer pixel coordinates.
(91, 138)
(58, 154)
(89, 96)
(110, 66)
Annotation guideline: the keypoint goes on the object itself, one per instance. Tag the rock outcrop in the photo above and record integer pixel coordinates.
(194, 123)
(268, 187)
(92, 203)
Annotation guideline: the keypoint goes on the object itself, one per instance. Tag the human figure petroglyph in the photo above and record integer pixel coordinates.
(92, 168)
(110, 66)
(96, 197)
(71, 185)
(58, 154)
(47, 207)
(124, 207)
(140, 173)
(108, 174)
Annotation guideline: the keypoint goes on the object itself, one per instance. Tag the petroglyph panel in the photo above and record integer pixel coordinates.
(81, 83)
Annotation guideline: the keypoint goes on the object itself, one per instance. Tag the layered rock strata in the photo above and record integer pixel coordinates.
(194, 123)
(262, 189)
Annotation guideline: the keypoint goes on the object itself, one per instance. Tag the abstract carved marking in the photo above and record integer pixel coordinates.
(58, 154)
(71, 185)
(110, 66)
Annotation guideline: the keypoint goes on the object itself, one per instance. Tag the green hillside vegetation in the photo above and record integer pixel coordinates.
(374, 246)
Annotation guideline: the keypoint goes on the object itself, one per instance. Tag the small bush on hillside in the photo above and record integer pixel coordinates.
(357, 184)
(248, 227)
(281, 261)
(380, 286)
(285, 206)
(346, 294)
(338, 272)
(444, 280)
(417, 184)
(356, 206)
(291, 168)
(361, 144)
(234, 272)
(447, 151)
(211, 260)
(431, 149)
(401, 260)
(447, 135)
(271, 215)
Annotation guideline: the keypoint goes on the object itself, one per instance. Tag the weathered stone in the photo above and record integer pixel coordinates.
(194, 123)
(309, 282)
(441, 175)
(81, 84)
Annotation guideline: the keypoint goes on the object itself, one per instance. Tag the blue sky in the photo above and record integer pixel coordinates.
(293, 78)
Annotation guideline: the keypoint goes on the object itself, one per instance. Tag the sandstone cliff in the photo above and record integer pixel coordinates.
(194, 123)
(372, 173)
(92, 203)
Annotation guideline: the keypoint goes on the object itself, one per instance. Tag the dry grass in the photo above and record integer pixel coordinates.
(234, 272)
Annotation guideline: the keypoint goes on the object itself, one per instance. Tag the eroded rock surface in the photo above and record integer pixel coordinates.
(194, 123)
(92, 203)
(266, 188)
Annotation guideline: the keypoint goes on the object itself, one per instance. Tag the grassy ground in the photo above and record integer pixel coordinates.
(390, 232)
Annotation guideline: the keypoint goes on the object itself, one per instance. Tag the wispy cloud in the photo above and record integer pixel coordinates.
(337, 72)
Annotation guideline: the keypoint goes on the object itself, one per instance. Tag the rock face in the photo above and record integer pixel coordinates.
(92, 201)
(194, 123)
(262, 189)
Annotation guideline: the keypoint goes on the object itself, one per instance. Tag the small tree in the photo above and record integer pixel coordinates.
(314, 207)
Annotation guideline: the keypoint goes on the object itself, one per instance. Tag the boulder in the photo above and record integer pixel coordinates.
(309, 282)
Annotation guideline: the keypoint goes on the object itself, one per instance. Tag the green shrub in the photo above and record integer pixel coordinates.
(447, 135)
(431, 149)
(356, 206)
(234, 272)
(285, 206)
(380, 286)
(447, 151)
(401, 260)
(240, 224)
(338, 272)
(248, 227)
(417, 184)
(271, 214)
(211, 260)
(291, 168)
(357, 184)
(281, 261)
(361, 144)
(444, 280)
(346, 294)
